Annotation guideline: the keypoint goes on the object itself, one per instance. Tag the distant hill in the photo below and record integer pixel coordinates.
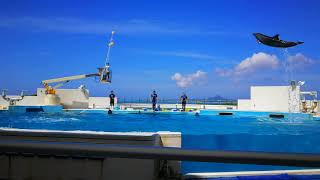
(217, 98)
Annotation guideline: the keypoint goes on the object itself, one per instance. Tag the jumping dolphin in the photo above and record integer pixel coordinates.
(274, 41)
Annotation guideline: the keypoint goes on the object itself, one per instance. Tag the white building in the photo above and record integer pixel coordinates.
(275, 98)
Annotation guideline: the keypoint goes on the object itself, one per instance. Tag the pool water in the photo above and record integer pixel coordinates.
(207, 132)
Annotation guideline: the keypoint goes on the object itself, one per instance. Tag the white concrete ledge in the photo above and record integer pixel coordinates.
(81, 132)
(16, 166)
(167, 139)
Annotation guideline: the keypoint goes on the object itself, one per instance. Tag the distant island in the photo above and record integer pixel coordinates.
(217, 98)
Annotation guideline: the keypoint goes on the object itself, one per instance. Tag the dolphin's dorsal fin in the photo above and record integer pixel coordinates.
(276, 37)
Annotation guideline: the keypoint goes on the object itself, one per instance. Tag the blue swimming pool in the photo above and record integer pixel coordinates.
(247, 133)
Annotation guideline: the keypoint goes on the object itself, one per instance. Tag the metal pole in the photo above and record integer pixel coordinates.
(109, 48)
(139, 152)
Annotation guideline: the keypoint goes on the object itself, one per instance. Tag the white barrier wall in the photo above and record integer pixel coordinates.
(100, 102)
(3, 103)
(275, 98)
(27, 101)
(69, 98)
(269, 98)
(78, 99)
(172, 106)
(17, 166)
(244, 104)
(272, 98)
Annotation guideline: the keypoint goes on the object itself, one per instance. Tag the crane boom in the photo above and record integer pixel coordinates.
(69, 78)
(64, 80)
(104, 73)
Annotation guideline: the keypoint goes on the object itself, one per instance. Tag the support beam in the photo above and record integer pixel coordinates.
(88, 150)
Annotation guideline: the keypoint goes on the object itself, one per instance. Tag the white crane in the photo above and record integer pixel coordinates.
(104, 73)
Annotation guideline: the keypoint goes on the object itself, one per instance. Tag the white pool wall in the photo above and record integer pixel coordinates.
(18, 166)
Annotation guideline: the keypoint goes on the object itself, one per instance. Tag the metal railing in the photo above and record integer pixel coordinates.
(87, 150)
(125, 100)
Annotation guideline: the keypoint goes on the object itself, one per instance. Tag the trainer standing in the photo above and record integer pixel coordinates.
(154, 97)
(184, 99)
(112, 97)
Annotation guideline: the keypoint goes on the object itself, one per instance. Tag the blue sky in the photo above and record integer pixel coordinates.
(202, 47)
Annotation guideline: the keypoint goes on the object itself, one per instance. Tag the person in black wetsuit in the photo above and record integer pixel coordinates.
(154, 97)
(112, 97)
(184, 99)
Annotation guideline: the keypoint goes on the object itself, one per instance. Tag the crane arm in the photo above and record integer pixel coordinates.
(104, 73)
(68, 78)
(63, 80)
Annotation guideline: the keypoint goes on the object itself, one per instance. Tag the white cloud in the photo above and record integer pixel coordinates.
(59, 24)
(190, 79)
(224, 72)
(257, 62)
(299, 61)
(184, 54)
(134, 26)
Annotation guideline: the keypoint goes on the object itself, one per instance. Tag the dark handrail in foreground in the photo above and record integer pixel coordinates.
(140, 152)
